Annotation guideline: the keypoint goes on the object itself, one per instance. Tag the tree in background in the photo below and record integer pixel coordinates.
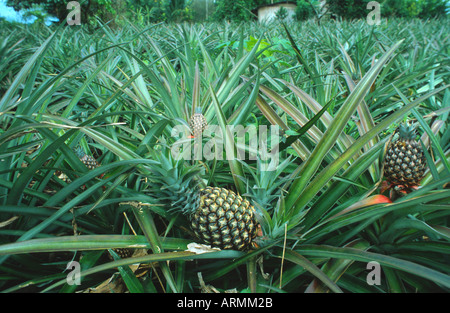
(304, 10)
(348, 9)
(104, 9)
(155, 11)
(399, 8)
(307, 9)
(237, 10)
(202, 9)
(143, 11)
(414, 8)
(356, 9)
(281, 14)
(38, 13)
(432, 8)
(176, 10)
(109, 10)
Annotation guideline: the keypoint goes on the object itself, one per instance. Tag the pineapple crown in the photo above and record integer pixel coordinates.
(79, 152)
(174, 182)
(406, 131)
(268, 184)
(198, 110)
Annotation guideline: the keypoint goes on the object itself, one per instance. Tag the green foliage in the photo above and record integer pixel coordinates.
(402, 8)
(202, 9)
(144, 12)
(37, 12)
(281, 14)
(114, 11)
(236, 11)
(348, 9)
(122, 12)
(176, 11)
(104, 9)
(304, 11)
(356, 9)
(431, 8)
(337, 91)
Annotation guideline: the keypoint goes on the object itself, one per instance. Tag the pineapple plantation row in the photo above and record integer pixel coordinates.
(89, 180)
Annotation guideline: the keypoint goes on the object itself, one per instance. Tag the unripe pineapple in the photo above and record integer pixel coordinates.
(218, 216)
(122, 252)
(90, 162)
(87, 160)
(224, 219)
(197, 123)
(405, 162)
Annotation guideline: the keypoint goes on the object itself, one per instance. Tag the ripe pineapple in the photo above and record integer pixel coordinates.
(405, 162)
(87, 160)
(197, 123)
(218, 216)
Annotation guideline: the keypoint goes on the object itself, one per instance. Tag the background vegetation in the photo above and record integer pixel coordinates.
(237, 11)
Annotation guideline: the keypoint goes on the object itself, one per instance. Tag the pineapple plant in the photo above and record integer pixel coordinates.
(197, 123)
(405, 162)
(218, 216)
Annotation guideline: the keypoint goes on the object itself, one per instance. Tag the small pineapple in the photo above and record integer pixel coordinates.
(90, 162)
(122, 252)
(87, 160)
(218, 216)
(197, 123)
(405, 162)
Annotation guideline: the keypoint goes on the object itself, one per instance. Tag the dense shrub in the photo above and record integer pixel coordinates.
(304, 10)
(355, 9)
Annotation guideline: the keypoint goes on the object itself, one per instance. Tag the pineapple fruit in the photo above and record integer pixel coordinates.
(224, 219)
(197, 123)
(122, 252)
(90, 162)
(218, 216)
(405, 162)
